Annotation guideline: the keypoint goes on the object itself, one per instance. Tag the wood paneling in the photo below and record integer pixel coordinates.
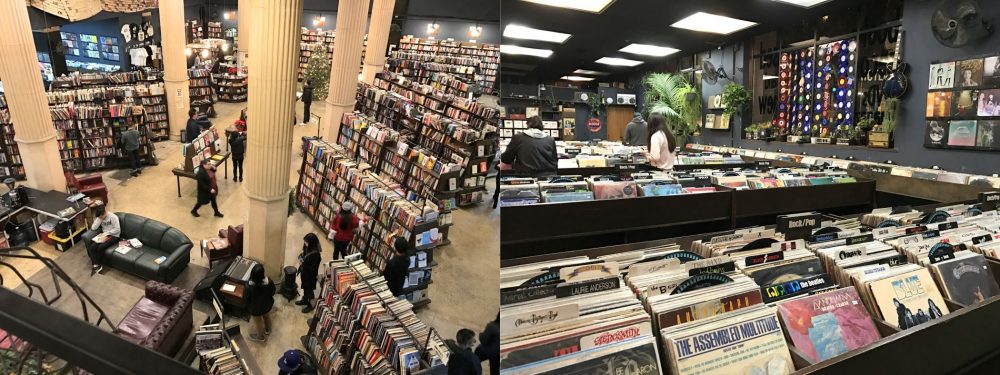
(618, 117)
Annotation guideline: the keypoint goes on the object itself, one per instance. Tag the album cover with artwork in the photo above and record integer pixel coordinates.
(989, 103)
(786, 272)
(988, 134)
(991, 71)
(936, 133)
(621, 358)
(942, 76)
(908, 300)
(969, 73)
(964, 104)
(826, 325)
(962, 133)
(939, 104)
(966, 279)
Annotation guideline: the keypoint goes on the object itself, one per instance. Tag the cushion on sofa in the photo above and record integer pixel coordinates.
(145, 264)
(141, 320)
(172, 239)
(124, 262)
(131, 225)
(152, 232)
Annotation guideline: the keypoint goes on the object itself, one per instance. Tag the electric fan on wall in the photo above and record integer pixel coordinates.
(956, 23)
(710, 74)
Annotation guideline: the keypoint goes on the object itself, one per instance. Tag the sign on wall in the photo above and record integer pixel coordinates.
(594, 125)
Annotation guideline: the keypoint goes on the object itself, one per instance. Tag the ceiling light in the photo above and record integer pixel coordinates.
(593, 6)
(767, 77)
(712, 23)
(618, 61)
(204, 53)
(475, 31)
(577, 78)
(589, 72)
(648, 49)
(523, 32)
(804, 3)
(518, 50)
(225, 15)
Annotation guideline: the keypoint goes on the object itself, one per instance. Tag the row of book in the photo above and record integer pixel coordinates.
(78, 80)
(488, 55)
(429, 57)
(10, 155)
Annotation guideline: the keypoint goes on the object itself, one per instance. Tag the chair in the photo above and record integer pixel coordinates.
(161, 320)
(91, 186)
(233, 234)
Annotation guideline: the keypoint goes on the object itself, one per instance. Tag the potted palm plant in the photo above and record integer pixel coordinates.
(672, 96)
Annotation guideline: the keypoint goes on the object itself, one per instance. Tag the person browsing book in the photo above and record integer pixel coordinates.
(238, 148)
(309, 262)
(462, 360)
(107, 223)
(193, 127)
(208, 188)
(662, 143)
(532, 153)
(131, 142)
(344, 227)
(397, 269)
(260, 300)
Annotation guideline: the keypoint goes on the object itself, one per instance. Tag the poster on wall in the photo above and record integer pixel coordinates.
(969, 73)
(942, 76)
(937, 133)
(991, 71)
(594, 125)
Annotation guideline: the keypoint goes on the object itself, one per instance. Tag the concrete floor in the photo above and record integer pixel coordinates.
(466, 281)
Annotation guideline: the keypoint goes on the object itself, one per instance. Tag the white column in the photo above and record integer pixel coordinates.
(352, 15)
(175, 78)
(378, 38)
(26, 100)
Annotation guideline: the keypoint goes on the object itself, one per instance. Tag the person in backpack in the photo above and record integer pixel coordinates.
(260, 300)
(238, 148)
(344, 227)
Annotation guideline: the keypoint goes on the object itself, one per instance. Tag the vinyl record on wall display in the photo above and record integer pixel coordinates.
(942, 76)
(988, 103)
(939, 104)
(962, 133)
(969, 73)
(991, 71)
(936, 133)
(964, 104)
(988, 134)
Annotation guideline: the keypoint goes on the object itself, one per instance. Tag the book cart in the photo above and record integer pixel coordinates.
(10, 155)
(963, 341)
(333, 174)
(221, 347)
(354, 302)
(574, 225)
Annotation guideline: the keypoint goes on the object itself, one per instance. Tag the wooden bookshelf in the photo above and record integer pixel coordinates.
(144, 89)
(10, 155)
(231, 88)
(201, 92)
(488, 55)
(86, 135)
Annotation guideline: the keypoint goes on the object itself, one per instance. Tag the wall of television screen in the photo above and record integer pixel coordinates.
(963, 104)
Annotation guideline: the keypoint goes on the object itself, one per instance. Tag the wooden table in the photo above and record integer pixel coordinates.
(181, 172)
(236, 297)
(216, 251)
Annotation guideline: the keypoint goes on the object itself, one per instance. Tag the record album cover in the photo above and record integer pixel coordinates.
(638, 356)
(989, 103)
(965, 104)
(942, 76)
(991, 71)
(967, 280)
(988, 134)
(962, 133)
(751, 343)
(969, 73)
(908, 300)
(786, 272)
(939, 104)
(936, 133)
(708, 308)
(828, 324)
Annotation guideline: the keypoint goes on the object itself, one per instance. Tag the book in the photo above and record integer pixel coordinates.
(826, 325)
(909, 299)
(160, 260)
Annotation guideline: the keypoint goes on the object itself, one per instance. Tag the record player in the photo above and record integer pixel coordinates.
(15, 196)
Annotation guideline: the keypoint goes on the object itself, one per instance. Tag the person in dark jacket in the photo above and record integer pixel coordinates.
(193, 127)
(208, 189)
(462, 360)
(238, 149)
(295, 362)
(532, 153)
(636, 132)
(398, 268)
(309, 262)
(260, 300)
(307, 99)
(131, 142)
(489, 345)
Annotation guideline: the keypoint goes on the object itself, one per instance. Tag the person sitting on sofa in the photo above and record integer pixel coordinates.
(110, 231)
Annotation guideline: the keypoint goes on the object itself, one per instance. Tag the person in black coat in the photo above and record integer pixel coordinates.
(260, 300)
(193, 127)
(208, 189)
(532, 153)
(398, 268)
(307, 99)
(309, 262)
(489, 345)
(238, 148)
(462, 360)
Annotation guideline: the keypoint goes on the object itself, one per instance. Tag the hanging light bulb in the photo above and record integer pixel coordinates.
(225, 47)
(187, 51)
(225, 15)
(204, 53)
(475, 31)
(315, 21)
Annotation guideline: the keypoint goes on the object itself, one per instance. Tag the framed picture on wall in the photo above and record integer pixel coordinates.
(939, 104)
(969, 73)
(989, 103)
(988, 134)
(942, 76)
(964, 104)
(991, 71)
(962, 133)
(936, 133)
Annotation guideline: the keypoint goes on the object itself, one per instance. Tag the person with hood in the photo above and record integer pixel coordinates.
(462, 360)
(635, 132)
(532, 153)
(307, 99)
(260, 300)
(397, 269)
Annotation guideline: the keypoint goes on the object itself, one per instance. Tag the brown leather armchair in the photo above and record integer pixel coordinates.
(91, 186)
(233, 234)
(161, 320)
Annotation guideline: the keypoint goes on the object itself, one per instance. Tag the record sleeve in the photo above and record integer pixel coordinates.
(633, 357)
(909, 299)
(967, 280)
(749, 343)
(786, 272)
(826, 325)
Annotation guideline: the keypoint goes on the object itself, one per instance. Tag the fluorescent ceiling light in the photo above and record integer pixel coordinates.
(804, 3)
(592, 6)
(648, 50)
(618, 61)
(712, 23)
(518, 50)
(577, 78)
(767, 77)
(524, 32)
(589, 72)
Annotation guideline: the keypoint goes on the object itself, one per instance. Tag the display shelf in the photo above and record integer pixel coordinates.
(200, 91)
(231, 88)
(10, 155)
(488, 56)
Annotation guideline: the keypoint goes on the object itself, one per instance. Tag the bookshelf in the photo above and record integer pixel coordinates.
(10, 154)
(215, 30)
(195, 31)
(232, 88)
(488, 55)
(360, 326)
(134, 87)
(203, 147)
(86, 134)
(200, 91)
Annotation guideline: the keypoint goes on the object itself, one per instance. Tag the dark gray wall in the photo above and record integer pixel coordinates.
(455, 29)
(730, 58)
(919, 50)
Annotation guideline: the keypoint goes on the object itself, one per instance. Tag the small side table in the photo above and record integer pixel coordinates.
(217, 249)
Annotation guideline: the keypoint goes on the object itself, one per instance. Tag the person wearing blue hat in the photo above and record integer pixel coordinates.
(397, 269)
(295, 362)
